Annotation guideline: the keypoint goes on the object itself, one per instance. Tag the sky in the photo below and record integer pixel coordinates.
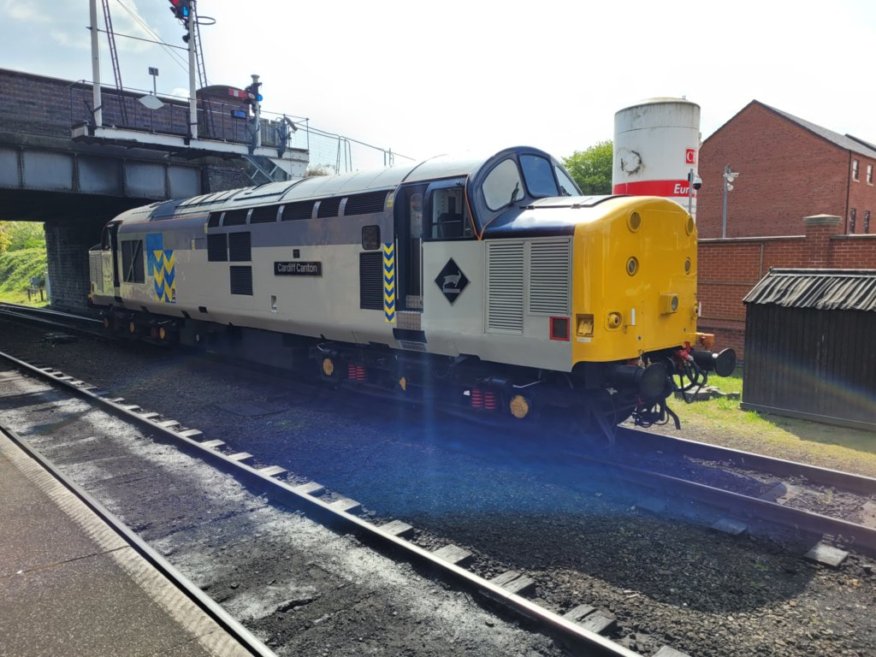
(425, 78)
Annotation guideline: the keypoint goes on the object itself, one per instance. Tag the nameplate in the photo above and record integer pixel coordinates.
(297, 268)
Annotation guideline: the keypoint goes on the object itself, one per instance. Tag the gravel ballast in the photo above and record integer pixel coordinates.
(506, 498)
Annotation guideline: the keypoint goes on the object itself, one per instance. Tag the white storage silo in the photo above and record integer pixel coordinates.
(656, 149)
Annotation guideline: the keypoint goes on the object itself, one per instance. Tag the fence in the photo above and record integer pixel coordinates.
(231, 121)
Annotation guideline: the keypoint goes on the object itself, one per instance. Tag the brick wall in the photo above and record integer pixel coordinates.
(729, 268)
(67, 245)
(862, 198)
(786, 172)
(38, 105)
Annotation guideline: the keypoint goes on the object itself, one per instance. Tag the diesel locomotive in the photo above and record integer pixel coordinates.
(489, 281)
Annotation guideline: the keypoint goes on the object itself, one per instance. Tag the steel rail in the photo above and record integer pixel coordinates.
(739, 504)
(15, 307)
(211, 608)
(53, 319)
(297, 496)
(642, 440)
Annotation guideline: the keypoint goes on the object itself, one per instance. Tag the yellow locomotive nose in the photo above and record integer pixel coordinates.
(634, 270)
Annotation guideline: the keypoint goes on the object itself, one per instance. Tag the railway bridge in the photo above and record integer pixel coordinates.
(57, 167)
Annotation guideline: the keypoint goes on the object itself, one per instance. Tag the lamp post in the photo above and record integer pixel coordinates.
(154, 73)
(729, 176)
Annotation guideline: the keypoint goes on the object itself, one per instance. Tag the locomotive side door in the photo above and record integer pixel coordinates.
(113, 230)
(409, 246)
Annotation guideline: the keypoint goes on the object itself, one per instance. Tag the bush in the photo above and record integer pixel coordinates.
(16, 270)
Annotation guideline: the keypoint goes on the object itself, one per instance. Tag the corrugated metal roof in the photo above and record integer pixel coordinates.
(822, 289)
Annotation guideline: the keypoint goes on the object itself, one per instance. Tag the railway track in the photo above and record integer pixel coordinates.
(768, 512)
(53, 319)
(673, 458)
(801, 497)
(214, 611)
(798, 497)
(577, 627)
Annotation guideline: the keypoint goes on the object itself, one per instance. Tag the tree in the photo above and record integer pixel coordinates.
(318, 170)
(16, 235)
(5, 239)
(591, 168)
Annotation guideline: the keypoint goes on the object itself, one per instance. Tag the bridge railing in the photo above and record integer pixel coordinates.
(229, 121)
(219, 120)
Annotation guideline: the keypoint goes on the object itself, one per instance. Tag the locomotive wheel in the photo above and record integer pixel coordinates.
(602, 412)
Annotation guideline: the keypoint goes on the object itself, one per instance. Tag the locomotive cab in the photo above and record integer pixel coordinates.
(103, 266)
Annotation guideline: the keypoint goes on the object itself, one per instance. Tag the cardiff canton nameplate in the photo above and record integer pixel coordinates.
(297, 268)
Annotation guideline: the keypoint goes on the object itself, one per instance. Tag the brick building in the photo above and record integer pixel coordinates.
(790, 169)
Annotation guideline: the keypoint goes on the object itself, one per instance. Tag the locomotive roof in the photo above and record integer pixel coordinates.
(317, 187)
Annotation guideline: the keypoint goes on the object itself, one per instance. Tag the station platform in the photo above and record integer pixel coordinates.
(70, 585)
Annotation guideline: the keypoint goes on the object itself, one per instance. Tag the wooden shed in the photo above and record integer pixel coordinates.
(810, 345)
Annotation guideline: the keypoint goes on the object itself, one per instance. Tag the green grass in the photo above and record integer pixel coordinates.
(723, 422)
(16, 270)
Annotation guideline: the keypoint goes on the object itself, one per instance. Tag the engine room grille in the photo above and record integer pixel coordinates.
(298, 211)
(241, 280)
(329, 207)
(505, 286)
(239, 247)
(235, 217)
(549, 275)
(371, 280)
(95, 266)
(367, 203)
(217, 247)
(264, 214)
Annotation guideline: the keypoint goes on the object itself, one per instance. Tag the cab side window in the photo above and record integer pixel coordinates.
(567, 185)
(539, 176)
(449, 219)
(132, 261)
(502, 186)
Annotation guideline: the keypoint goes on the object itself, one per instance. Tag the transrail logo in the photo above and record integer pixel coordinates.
(451, 281)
